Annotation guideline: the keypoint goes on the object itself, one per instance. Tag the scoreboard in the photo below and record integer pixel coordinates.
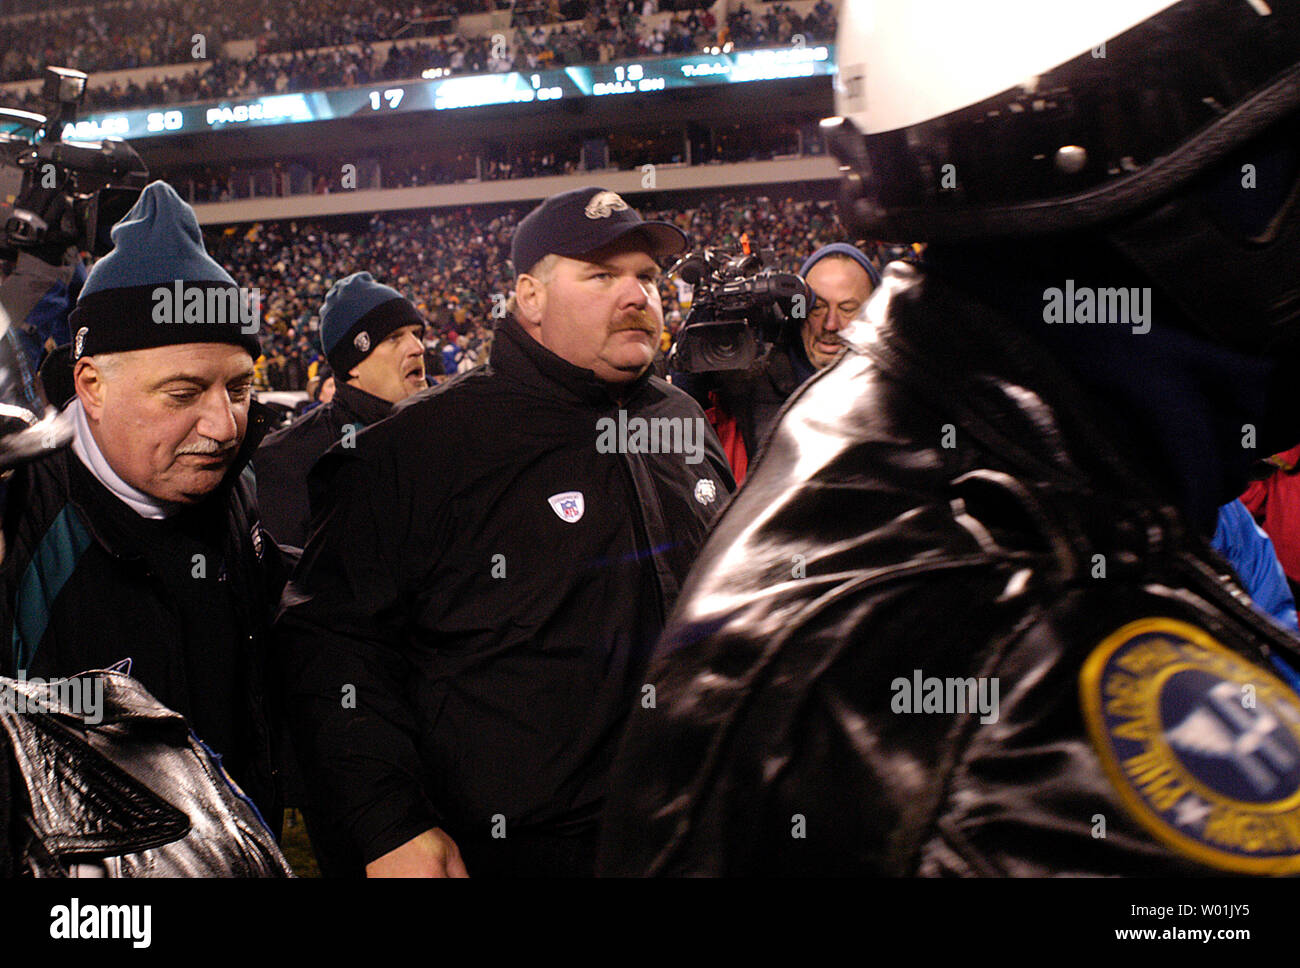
(458, 92)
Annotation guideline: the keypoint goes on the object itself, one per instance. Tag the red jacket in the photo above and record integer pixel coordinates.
(1275, 503)
(728, 431)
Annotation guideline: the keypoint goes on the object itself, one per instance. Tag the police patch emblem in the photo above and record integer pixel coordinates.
(705, 491)
(80, 343)
(362, 341)
(1202, 746)
(604, 204)
(568, 506)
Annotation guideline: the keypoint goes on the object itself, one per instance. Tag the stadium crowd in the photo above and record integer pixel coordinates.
(607, 31)
(141, 33)
(445, 165)
(453, 266)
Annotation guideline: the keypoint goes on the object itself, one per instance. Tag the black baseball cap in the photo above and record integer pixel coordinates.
(582, 220)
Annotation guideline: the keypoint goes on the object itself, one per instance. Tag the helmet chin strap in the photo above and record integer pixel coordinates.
(1239, 293)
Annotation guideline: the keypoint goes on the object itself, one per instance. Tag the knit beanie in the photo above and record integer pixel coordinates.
(842, 248)
(159, 287)
(358, 315)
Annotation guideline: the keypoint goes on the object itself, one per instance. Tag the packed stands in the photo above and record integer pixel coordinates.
(451, 263)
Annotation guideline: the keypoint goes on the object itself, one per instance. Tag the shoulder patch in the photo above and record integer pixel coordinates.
(1202, 746)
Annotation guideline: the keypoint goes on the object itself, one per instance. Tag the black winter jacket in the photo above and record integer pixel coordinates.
(286, 457)
(471, 619)
(79, 593)
(940, 512)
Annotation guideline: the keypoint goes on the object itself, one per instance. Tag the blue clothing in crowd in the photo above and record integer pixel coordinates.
(1250, 552)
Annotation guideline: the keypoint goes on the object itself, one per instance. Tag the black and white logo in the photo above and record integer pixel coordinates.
(604, 204)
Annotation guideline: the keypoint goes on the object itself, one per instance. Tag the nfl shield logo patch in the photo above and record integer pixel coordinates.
(567, 506)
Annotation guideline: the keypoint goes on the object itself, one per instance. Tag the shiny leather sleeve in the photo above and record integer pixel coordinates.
(929, 505)
(109, 780)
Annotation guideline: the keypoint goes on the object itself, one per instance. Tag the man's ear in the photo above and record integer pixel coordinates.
(88, 381)
(530, 301)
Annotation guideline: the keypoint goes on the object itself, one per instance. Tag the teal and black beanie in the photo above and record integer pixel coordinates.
(159, 287)
(358, 315)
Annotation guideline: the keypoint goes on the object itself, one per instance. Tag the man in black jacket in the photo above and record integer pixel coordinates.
(140, 539)
(373, 335)
(471, 619)
(963, 618)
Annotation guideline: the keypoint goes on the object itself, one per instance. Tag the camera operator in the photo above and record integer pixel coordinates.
(66, 196)
(742, 405)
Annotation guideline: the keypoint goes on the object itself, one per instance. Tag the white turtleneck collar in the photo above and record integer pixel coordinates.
(88, 452)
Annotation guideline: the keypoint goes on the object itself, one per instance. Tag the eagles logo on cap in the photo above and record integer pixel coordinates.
(80, 343)
(605, 204)
(1200, 744)
(362, 341)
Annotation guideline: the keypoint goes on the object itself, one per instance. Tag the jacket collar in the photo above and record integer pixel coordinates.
(353, 402)
(518, 356)
(1009, 386)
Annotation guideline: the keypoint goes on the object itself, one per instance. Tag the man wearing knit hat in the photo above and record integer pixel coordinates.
(842, 278)
(746, 402)
(140, 539)
(373, 338)
(468, 628)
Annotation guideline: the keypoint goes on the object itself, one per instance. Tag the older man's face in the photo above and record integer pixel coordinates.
(841, 287)
(603, 312)
(170, 420)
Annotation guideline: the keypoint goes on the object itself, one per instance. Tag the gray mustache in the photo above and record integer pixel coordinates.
(206, 448)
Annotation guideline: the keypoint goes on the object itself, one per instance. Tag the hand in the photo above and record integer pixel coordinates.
(430, 854)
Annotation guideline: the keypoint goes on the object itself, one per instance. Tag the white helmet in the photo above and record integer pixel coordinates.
(963, 119)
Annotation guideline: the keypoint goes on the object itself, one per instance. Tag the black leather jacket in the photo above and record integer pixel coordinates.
(105, 781)
(946, 503)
